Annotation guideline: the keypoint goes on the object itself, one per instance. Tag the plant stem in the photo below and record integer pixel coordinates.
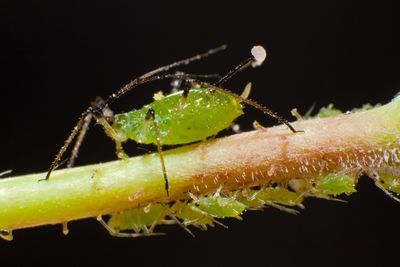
(359, 143)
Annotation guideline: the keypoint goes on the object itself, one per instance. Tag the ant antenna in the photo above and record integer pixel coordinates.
(258, 55)
(97, 110)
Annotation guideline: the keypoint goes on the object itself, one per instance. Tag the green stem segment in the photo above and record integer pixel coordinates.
(357, 143)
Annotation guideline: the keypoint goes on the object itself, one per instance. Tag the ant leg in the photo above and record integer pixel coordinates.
(152, 116)
(116, 233)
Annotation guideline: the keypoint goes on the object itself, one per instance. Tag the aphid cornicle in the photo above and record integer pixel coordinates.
(193, 114)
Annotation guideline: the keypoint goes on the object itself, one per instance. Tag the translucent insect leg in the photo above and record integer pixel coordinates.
(67, 142)
(282, 208)
(116, 233)
(295, 113)
(79, 140)
(183, 226)
(111, 133)
(152, 116)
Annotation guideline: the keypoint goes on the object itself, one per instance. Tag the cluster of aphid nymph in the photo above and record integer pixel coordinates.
(194, 111)
(206, 210)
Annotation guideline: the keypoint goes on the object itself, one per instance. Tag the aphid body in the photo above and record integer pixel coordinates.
(180, 120)
(325, 186)
(139, 219)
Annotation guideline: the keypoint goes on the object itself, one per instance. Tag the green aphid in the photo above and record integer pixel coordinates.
(276, 195)
(324, 186)
(334, 184)
(221, 207)
(203, 113)
(328, 111)
(191, 215)
(389, 183)
(140, 220)
(199, 111)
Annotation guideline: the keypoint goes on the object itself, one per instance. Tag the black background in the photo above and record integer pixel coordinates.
(56, 57)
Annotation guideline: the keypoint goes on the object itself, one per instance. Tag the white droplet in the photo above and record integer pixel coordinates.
(259, 55)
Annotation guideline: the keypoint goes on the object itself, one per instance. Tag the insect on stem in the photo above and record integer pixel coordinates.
(147, 77)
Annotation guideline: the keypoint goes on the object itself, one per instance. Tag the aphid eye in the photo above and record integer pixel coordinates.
(150, 114)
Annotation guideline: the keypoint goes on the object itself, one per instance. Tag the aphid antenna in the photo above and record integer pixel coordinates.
(144, 78)
(85, 118)
(282, 208)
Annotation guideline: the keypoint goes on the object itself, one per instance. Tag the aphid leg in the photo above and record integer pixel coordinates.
(79, 140)
(113, 135)
(257, 125)
(183, 226)
(282, 208)
(67, 142)
(295, 113)
(116, 233)
(151, 115)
